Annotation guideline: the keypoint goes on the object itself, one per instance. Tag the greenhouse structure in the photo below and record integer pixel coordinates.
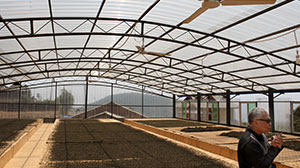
(99, 66)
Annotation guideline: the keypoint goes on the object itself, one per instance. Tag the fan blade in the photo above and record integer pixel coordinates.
(205, 5)
(247, 2)
(157, 53)
(139, 48)
(194, 15)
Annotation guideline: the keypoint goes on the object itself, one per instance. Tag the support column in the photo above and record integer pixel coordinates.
(142, 101)
(174, 106)
(19, 105)
(112, 100)
(86, 96)
(271, 108)
(199, 107)
(228, 108)
(55, 105)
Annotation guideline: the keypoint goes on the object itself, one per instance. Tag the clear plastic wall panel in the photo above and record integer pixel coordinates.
(182, 113)
(215, 112)
(117, 111)
(67, 97)
(244, 114)
(37, 110)
(194, 111)
(9, 96)
(98, 94)
(210, 111)
(282, 116)
(124, 96)
(26, 95)
(135, 112)
(235, 113)
(43, 95)
(296, 117)
(185, 109)
(222, 109)
(8, 110)
(251, 97)
(71, 94)
(66, 110)
(263, 104)
(188, 110)
(150, 99)
(289, 97)
(178, 109)
(9, 104)
(158, 112)
(204, 111)
(193, 116)
(77, 111)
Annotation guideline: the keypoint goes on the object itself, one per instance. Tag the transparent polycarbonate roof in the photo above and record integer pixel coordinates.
(248, 46)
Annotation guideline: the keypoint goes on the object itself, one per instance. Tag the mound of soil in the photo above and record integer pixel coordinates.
(238, 134)
(232, 134)
(291, 144)
(204, 129)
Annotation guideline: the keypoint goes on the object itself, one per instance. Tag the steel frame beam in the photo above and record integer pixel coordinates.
(144, 35)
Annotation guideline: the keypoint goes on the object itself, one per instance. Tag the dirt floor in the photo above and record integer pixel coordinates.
(90, 143)
(11, 129)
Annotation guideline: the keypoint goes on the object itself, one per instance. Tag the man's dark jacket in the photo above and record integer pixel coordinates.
(255, 151)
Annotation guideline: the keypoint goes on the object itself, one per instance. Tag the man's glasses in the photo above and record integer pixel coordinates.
(265, 120)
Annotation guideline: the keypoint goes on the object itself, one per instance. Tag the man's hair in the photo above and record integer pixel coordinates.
(255, 113)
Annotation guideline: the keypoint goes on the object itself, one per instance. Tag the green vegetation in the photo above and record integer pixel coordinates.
(66, 99)
(26, 95)
(297, 119)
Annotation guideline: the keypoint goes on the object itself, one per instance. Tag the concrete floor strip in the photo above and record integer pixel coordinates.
(31, 154)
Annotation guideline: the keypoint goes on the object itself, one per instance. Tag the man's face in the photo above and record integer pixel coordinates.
(264, 123)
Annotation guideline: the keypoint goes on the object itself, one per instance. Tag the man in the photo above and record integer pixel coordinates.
(253, 148)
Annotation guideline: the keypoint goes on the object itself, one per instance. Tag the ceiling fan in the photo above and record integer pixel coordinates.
(210, 4)
(141, 50)
(107, 68)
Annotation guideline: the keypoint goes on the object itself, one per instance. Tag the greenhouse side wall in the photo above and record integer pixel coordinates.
(286, 113)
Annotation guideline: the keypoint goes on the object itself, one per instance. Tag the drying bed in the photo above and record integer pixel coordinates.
(10, 130)
(90, 143)
(293, 144)
(171, 123)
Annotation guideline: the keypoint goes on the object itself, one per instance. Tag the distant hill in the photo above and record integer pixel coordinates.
(153, 105)
(135, 99)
